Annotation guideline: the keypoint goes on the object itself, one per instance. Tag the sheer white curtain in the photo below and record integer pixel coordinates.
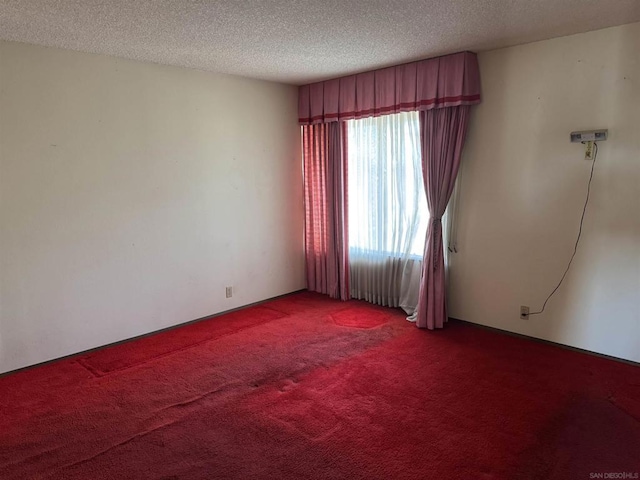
(387, 209)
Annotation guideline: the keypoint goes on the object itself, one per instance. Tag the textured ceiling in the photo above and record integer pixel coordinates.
(299, 41)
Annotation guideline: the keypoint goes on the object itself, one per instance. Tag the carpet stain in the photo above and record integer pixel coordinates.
(360, 317)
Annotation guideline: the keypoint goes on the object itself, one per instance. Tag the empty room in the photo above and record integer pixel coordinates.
(331, 239)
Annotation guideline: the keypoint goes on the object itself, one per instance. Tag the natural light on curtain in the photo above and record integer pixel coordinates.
(388, 212)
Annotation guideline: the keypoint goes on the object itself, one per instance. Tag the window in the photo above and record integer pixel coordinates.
(388, 212)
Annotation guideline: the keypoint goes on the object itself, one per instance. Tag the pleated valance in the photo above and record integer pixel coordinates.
(439, 82)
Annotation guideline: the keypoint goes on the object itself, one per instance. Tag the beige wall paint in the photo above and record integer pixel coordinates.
(524, 186)
(131, 194)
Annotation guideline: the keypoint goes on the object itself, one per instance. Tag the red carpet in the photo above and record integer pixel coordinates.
(142, 350)
(304, 387)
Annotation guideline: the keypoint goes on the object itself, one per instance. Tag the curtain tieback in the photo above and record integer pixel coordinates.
(435, 221)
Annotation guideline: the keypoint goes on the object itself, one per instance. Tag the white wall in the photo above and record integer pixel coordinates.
(131, 194)
(524, 186)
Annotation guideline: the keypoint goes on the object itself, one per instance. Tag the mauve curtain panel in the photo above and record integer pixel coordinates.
(442, 134)
(325, 196)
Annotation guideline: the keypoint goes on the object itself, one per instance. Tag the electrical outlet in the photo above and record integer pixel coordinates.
(524, 312)
(229, 292)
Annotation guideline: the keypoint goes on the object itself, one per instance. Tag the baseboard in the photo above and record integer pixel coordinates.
(131, 339)
(548, 342)
(478, 325)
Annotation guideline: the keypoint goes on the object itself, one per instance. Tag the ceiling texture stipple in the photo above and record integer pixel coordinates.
(299, 41)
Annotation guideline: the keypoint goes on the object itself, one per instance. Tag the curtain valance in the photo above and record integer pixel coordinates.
(446, 81)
